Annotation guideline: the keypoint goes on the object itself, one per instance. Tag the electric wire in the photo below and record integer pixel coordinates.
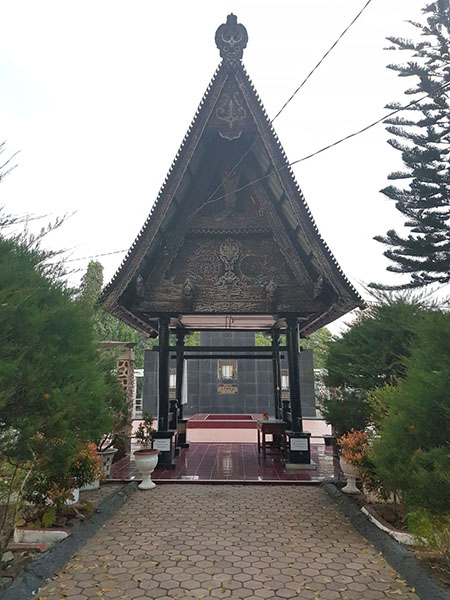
(95, 255)
(328, 147)
(287, 165)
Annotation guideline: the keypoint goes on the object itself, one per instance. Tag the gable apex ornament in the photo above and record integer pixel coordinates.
(231, 39)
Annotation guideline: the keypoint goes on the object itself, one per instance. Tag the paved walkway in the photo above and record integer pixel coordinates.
(196, 541)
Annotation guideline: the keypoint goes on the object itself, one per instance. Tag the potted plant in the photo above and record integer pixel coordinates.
(88, 468)
(51, 492)
(107, 446)
(106, 452)
(146, 458)
(353, 447)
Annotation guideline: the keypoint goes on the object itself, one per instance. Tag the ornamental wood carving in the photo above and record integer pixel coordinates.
(231, 39)
(224, 274)
(230, 113)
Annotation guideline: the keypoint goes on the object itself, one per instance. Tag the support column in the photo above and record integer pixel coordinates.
(292, 335)
(163, 439)
(299, 441)
(163, 371)
(180, 368)
(276, 373)
(182, 423)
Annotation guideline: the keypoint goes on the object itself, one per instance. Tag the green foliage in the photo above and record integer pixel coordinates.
(412, 453)
(422, 137)
(51, 381)
(11, 480)
(380, 402)
(432, 532)
(49, 517)
(6, 165)
(372, 352)
(86, 467)
(57, 471)
(262, 339)
(319, 342)
(107, 327)
(346, 409)
(144, 432)
(55, 388)
(193, 339)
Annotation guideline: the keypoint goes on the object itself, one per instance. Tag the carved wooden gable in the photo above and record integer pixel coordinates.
(230, 232)
(227, 262)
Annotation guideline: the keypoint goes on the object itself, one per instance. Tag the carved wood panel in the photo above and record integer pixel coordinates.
(224, 274)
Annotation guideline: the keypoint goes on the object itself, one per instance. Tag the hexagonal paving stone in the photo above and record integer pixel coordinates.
(264, 542)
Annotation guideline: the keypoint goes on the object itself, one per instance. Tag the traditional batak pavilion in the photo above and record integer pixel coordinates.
(230, 245)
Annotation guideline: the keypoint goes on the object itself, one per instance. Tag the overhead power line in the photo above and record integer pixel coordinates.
(295, 162)
(321, 60)
(330, 49)
(95, 255)
(336, 143)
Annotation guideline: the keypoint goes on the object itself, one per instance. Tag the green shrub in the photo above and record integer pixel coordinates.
(412, 453)
(345, 410)
(55, 388)
(371, 353)
(432, 532)
(380, 402)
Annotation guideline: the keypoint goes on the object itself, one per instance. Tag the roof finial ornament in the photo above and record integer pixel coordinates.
(231, 39)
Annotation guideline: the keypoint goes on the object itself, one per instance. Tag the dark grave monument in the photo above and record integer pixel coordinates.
(230, 386)
(229, 246)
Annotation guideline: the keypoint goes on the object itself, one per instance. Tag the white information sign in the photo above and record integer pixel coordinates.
(162, 444)
(299, 444)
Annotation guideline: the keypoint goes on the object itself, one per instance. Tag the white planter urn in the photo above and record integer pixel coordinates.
(146, 461)
(75, 496)
(351, 473)
(93, 485)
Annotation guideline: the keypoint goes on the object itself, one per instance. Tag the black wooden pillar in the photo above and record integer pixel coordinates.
(180, 368)
(182, 423)
(276, 373)
(163, 439)
(299, 440)
(292, 343)
(163, 367)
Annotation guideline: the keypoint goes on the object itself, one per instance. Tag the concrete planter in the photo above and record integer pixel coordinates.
(374, 498)
(75, 497)
(400, 536)
(94, 485)
(42, 535)
(351, 473)
(146, 461)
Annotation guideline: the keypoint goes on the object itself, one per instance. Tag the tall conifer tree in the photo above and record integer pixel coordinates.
(423, 138)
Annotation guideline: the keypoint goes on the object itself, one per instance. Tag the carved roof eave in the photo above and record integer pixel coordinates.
(348, 297)
(132, 321)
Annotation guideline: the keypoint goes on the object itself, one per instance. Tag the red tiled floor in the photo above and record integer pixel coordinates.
(233, 462)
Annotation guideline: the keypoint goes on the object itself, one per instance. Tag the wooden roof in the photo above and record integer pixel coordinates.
(230, 241)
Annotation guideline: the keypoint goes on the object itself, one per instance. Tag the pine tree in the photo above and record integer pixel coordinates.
(423, 138)
(107, 327)
(5, 164)
(411, 453)
(371, 353)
